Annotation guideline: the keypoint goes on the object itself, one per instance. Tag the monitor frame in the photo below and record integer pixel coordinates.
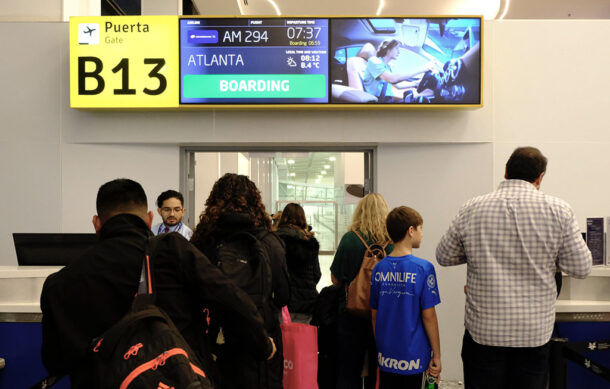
(63, 248)
(340, 106)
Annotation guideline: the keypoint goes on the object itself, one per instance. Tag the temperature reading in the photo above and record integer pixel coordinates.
(303, 32)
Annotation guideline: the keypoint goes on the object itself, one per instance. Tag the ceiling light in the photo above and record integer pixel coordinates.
(277, 9)
(290, 162)
(318, 181)
(292, 174)
(381, 4)
(319, 176)
(290, 187)
(505, 10)
(331, 158)
(323, 172)
(326, 166)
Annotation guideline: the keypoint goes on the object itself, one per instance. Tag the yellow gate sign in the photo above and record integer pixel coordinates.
(124, 62)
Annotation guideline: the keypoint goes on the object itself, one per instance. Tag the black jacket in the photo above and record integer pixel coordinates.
(85, 298)
(303, 267)
(237, 369)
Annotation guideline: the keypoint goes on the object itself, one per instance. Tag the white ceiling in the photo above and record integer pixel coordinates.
(491, 9)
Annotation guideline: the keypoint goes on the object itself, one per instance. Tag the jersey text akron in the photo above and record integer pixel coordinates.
(396, 364)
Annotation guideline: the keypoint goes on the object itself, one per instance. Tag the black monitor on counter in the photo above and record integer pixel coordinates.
(51, 249)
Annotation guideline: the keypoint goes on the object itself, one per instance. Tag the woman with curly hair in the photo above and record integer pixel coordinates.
(235, 206)
(302, 259)
(355, 334)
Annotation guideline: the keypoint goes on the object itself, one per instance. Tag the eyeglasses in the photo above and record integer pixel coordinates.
(170, 210)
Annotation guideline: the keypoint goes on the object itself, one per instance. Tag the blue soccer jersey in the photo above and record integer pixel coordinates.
(401, 288)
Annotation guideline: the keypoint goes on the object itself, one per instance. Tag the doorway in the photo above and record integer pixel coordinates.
(317, 179)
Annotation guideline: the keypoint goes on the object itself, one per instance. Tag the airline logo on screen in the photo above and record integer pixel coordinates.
(124, 62)
(203, 36)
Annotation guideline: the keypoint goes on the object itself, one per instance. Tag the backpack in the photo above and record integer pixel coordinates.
(145, 349)
(359, 290)
(244, 259)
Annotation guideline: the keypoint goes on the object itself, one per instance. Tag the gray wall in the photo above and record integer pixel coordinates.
(544, 85)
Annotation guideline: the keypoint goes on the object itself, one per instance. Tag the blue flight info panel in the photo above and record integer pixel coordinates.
(254, 61)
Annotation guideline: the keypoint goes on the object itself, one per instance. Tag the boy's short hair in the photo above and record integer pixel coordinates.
(399, 220)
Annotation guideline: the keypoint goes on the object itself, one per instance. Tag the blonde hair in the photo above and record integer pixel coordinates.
(370, 218)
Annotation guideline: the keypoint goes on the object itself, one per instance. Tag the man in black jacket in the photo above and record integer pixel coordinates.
(87, 297)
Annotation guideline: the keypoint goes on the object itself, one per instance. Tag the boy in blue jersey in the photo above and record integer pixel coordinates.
(403, 295)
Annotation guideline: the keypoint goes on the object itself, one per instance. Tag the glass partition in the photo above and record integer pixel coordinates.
(316, 180)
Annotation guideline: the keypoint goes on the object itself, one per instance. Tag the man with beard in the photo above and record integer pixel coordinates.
(170, 206)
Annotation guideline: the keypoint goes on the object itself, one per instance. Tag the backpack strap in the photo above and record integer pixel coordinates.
(363, 241)
(146, 287)
(369, 247)
(143, 303)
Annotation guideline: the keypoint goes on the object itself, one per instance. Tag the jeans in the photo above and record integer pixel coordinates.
(356, 339)
(491, 367)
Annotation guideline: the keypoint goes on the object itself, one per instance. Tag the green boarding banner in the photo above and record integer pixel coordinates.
(246, 86)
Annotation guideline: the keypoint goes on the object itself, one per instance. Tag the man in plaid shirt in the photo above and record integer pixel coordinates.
(513, 240)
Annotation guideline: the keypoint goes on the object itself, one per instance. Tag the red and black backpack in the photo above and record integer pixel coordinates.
(145, 349)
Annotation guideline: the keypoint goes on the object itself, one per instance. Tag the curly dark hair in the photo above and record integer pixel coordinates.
(231, 193)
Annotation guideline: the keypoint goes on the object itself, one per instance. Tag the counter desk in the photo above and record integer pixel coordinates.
(582, 310)
(583, 315)
(20, 329)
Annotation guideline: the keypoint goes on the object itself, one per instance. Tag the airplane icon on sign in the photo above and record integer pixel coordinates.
(89, 31)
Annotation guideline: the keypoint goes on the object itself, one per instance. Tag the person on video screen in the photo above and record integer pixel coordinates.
(379, 76)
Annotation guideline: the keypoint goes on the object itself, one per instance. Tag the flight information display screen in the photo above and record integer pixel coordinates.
(254, 61)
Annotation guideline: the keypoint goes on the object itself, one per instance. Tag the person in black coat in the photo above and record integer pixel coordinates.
(235, 205)
(302, 260)
(85, 298)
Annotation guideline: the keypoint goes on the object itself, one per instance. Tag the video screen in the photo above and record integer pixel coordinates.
(405, 60)
(254, 61)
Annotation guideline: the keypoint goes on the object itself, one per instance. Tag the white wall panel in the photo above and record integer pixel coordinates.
(30, 178)
(86, 167)
(32, 10)
(550, 81)
(31, 79)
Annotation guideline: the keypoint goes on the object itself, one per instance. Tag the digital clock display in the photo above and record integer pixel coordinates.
(254, 61)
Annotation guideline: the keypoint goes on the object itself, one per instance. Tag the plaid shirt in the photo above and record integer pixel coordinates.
(513, 240)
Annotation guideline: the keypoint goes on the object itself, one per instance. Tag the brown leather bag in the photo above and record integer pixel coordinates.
(359, 290)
